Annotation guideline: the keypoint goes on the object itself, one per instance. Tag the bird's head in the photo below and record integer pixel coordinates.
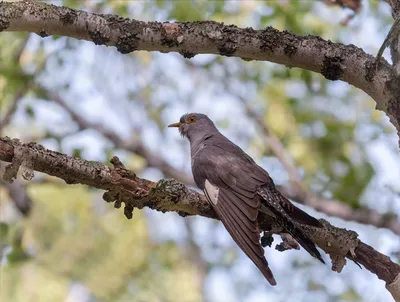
(194, 125)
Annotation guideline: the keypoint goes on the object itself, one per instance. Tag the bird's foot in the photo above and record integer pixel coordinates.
(288, 243)
(267, 239)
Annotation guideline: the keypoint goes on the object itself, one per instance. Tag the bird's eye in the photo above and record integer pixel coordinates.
(191, 119)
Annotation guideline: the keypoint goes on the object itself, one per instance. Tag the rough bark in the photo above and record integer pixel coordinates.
(334, 61)
(298, 191)
(295, 190)
(123, 186)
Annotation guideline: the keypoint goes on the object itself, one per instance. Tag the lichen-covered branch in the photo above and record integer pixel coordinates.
(293, 191)
(123, 186)
(298, 192)
(134, 145)
(334, 61)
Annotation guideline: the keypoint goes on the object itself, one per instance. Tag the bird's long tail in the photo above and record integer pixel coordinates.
(289, 216)
(305, 242)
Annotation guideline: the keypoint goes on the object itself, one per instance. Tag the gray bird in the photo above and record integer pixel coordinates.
(239, 190)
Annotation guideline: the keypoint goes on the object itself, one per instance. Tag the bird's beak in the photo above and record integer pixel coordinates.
(175, 124)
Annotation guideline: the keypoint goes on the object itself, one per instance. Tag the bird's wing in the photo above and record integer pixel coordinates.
(240, 221)
(236, 204)
(242, 185)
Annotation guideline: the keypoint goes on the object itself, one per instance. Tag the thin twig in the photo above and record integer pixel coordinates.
(135, 145)
(394, 30)
(22, 90)
(297, 191)
(273, 143)
(18, 194)
(294, 191)
(20, 51)
(194, 254)
(14, 105)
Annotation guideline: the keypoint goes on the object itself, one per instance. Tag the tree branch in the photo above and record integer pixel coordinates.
(20, 92)
(18, 194)
(135, 145)
(334, 61)
(337, 208)
(273, 143)
(14, 105)
(169, 195)
(296, 190)
(395, 5)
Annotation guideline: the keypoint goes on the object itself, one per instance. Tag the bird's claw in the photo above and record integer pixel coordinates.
(288, 243)
(267, 239)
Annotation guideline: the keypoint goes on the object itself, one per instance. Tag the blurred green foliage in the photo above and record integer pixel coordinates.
(113, 257)
(72, 237)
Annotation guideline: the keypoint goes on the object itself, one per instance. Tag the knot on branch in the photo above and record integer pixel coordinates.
(337, 242)
(24, 157)
(169, 194)
(130, 31)
(332, 67)
(171, 34)
(172, 188)
(134, 192)
(126, 189)
(98, 29)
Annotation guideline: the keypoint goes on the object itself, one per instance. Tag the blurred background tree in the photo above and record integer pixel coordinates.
(63, 243)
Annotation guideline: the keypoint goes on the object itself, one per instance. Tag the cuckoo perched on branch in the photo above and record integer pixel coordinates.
(239, 191)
